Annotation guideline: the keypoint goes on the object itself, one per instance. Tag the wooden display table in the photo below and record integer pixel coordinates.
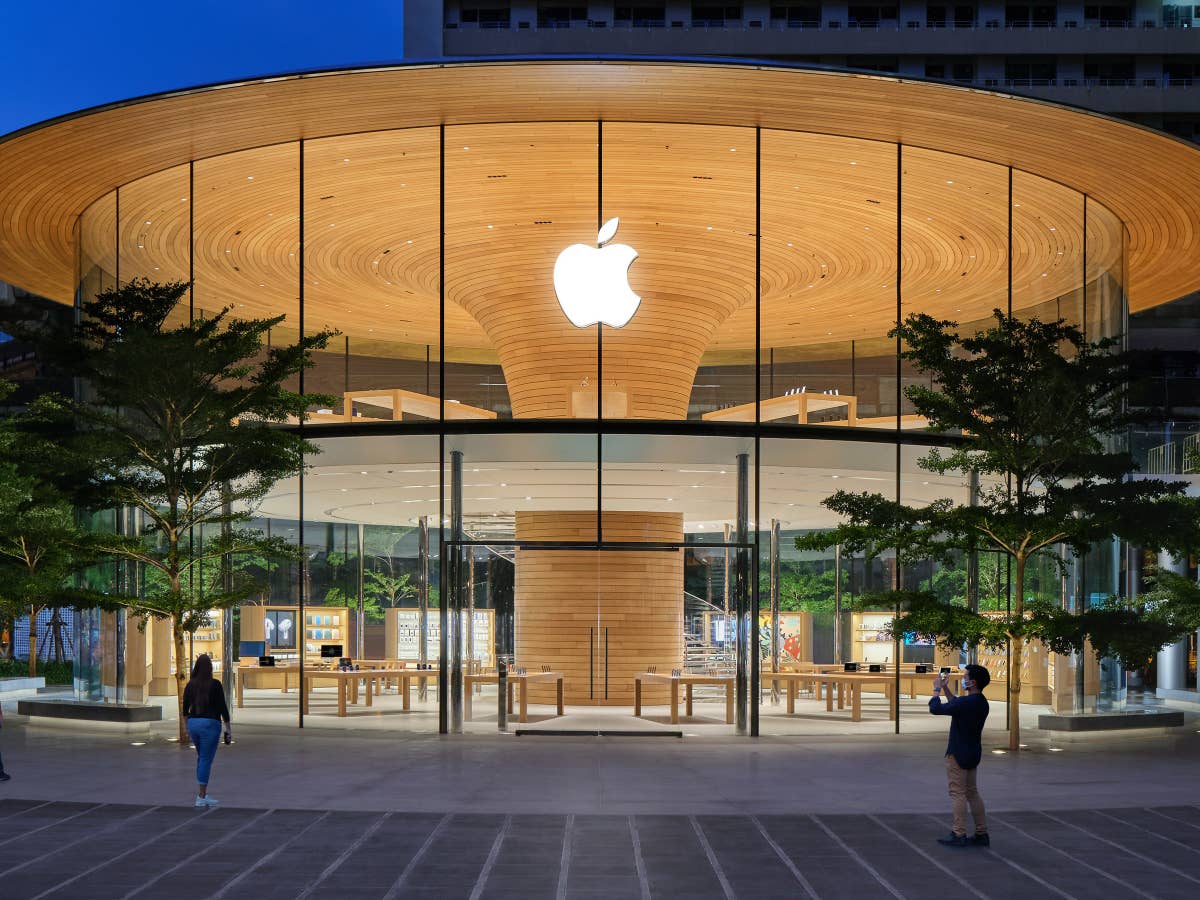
(400, 401)
(799, 405)
(347, 685)
(524, 680)
(851, 683)
(261, 673)
(689, 681)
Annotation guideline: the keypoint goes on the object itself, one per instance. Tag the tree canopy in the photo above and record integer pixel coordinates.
(1038, 412)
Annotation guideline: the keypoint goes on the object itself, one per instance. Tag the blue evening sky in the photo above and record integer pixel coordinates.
(64, 55)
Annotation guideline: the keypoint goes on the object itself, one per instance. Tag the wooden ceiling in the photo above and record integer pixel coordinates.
(678, 169)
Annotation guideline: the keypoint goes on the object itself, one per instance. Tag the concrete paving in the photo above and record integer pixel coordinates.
(371, 814)
(86, 851)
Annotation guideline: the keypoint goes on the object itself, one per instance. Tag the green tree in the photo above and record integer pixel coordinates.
(179, 424)
(1039, 406)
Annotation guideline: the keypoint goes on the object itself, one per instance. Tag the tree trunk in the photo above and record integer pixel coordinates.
(33, 616)
(181, 677)
(1016, 654)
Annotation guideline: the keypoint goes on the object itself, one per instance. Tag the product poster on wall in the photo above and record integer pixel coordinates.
(279, 629)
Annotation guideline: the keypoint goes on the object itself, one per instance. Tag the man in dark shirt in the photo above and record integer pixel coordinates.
(964, 751)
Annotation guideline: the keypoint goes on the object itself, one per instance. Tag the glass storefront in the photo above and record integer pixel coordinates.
(518, 492)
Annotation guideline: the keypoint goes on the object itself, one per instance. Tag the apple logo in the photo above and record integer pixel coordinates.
(592, 283)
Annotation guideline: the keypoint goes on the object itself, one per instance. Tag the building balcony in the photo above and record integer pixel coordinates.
(830, 38)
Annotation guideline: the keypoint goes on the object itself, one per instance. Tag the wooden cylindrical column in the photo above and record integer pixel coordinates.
(571, 606)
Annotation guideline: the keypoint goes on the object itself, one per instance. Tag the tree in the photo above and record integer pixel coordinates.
(177, 424)
(41, 542)
(1039, 407)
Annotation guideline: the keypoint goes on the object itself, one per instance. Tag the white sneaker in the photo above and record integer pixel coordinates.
(201, 803)
(211, 801)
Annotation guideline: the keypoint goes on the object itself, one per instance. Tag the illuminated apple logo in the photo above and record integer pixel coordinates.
(592, 283)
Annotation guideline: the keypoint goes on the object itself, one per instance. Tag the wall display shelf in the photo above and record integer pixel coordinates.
(868, 642)
(402, 630)
(280, 628)
(208, 638)
(1035, 674)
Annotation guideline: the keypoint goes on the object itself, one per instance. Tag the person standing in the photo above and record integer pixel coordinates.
(4, 776)
(964, 752)
(204, 709)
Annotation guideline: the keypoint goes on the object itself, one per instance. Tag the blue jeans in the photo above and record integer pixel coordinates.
(205, 734)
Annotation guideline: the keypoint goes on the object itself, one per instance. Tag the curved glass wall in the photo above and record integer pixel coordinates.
(529, 460)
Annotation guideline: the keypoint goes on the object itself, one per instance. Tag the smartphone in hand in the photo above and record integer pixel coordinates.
(228, 736)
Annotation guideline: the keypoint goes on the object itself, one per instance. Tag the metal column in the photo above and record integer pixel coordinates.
(451, 607)
(360, 641)
(774, 607)
(973, 565)
(1172, 660)
(227, 673)
(423, 597)
(837, 604)
(742, 595)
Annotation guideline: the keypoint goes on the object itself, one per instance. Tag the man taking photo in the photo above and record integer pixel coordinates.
(964, 751)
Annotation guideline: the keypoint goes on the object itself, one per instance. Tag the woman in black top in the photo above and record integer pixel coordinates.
(204, 709)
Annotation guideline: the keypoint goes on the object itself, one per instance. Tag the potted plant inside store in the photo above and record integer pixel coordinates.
(1038, 407)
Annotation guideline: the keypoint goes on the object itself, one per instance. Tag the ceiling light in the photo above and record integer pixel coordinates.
(249, 177)
(346, 159)
(148, 222)
(489, 226)
(949, 182)
(466, 148)
(853, 163)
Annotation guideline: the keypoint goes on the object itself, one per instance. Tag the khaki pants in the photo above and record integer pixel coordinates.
(964, 794)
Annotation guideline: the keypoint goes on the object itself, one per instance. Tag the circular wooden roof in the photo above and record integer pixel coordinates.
(679, 170)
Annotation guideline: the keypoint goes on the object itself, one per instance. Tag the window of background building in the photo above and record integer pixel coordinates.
(1117, 15)
(1031, 15)
(1118, 71)
(1175, 16)
(560, 15)
(961, 71)
(1181, 72)
(874, 63)
(870, 17)
(1027, 72)
(644, 15)
(715, 14)
(796, 15)
(941, 16)
(486, 13)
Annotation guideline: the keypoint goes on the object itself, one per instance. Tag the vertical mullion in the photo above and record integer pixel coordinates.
(117, 241)
(897, 576)
(443, 618)
(300, 497)
(192, 240)
(755, 686)
(599, 347)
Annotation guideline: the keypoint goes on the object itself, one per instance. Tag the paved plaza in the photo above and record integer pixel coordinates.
(307, 814)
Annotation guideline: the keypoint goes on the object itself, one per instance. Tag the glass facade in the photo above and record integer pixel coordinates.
(503, 493)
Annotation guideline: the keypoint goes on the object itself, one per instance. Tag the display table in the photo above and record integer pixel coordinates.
(909, 677)
(799, 405)
(851, 683)
(347, 685)
(523, 680)
(689, 681)
(259, 674)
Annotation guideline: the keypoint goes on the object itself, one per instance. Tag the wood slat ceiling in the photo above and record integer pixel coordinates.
(678, 170)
